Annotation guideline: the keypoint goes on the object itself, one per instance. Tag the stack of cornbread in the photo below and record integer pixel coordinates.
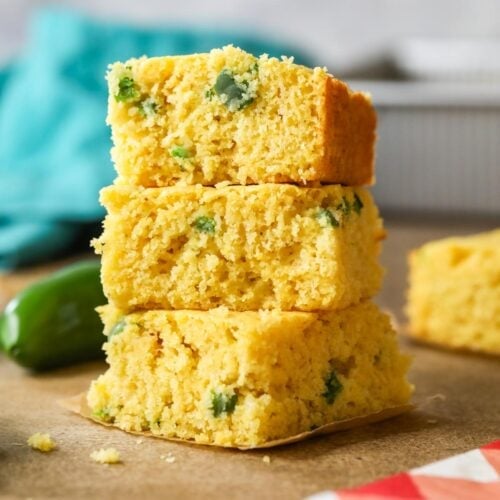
(238, 261)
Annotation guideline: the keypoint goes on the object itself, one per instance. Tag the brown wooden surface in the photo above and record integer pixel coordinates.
(459, 408)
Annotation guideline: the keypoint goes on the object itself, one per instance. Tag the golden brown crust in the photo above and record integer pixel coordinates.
(349, 134)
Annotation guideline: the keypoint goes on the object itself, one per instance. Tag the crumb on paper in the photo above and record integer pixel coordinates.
(41, 442)
(139, 441)
(431, 399)
(439, 397)
(106, 456)
(169, 458)
(266, 459)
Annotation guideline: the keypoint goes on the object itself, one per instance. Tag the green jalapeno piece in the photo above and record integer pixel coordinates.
(53, 322)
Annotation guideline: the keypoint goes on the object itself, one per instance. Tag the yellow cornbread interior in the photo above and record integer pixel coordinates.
(41, 442)
(106, 456)
(454, 292)
(176, 119)
(247, 248)
(240, 379)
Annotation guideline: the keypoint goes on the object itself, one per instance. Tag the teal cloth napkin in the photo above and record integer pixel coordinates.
(54, 146)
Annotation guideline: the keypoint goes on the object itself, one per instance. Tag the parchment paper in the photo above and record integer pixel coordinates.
(78, 404)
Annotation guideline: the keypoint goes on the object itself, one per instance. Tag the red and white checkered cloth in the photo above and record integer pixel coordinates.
(474, 475)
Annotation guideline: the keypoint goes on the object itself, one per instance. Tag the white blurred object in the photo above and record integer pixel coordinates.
(465, 59)
(439, 146)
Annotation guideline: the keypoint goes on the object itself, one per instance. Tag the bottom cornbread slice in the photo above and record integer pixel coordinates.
(246, 378)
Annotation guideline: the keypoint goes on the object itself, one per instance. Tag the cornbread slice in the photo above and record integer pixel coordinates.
(229, 116)
(245, 378)
(244, 247)
(454, 293)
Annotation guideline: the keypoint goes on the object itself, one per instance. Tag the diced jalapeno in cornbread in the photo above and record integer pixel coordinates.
(236, 93)
(250, 120)
(244, 247)
(102, 414)
(223, 403)
(326, 218)
(177, 373)
(127, 90)
(180, 152)
(344, 206)
(357, 204)
(204, 224)
(454, 292)
(332, 388)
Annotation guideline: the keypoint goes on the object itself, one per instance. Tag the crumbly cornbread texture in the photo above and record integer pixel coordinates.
(106, 456)
(244, 247)
(245, 378)
(229, 116)
(454, 293)
(41, 442)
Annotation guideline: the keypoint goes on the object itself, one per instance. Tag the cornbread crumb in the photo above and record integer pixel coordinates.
(41, 442)
(106, 456)
(169, 458)
(139, 441)
(454, 292)
(266, 459)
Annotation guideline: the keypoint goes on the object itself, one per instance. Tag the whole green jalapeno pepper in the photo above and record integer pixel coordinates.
(53, 322)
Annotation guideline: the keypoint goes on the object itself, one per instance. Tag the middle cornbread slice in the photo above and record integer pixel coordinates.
(270, 246)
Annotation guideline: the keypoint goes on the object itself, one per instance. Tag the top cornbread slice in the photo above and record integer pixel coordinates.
(229, 116)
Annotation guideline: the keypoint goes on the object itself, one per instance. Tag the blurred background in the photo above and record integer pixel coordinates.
(342, 34)
(433, 68)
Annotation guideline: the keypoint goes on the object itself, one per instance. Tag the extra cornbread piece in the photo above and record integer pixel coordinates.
(454, 294)
(244, 247)
(245, 378)
(229, 116)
